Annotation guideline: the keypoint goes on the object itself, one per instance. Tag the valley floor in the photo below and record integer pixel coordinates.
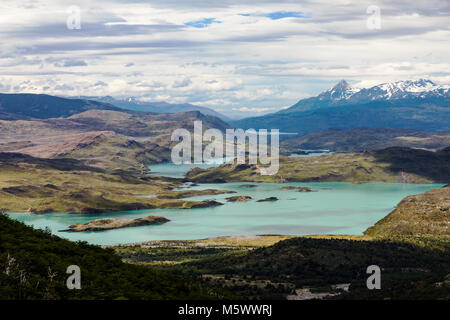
(411, 245)
(413, 254)
(300, 268)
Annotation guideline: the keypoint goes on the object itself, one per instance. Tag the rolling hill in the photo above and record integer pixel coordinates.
(36, 264)
(395, 164)
(110, 139)
(362, 139)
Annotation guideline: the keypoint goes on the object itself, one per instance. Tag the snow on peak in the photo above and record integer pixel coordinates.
(408, 86)
(389, 90)
(342, 90)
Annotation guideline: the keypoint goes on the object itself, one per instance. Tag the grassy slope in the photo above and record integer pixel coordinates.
(120, 154)
(388, 165)
(423, 218)
(111, 140)
(29, 257)
(336, 167)
(43, 185)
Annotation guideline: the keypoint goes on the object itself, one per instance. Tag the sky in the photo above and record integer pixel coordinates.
(239, 57)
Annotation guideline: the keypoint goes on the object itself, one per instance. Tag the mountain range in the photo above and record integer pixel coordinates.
(420, 105)
(135, 104)
(25, 106)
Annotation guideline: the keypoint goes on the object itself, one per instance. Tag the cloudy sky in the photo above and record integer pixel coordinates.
(241, 56)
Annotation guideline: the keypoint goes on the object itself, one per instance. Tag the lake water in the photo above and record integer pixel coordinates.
(335, 208)
(310, 154)
(178, 171)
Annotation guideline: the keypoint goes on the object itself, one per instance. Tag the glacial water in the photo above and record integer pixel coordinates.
(178, 171)
(333, 208)
(310, 154)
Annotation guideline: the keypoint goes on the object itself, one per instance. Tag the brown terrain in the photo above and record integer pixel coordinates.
(110, 223)
(104, 138)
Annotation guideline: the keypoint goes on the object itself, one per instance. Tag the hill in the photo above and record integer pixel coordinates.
(158, 106)
(41, 106)
(362, 139)
(34, 263)
(105, 138)
(387, 165)
(422, 218)
(36, 185)
(324, 265)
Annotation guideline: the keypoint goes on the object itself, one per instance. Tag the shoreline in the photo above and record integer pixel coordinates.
(249, 241)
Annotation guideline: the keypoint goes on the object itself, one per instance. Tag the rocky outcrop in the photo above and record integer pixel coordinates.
(238, 198)
(268, 199)
(111, 223)
(192, 193)
(207, 204)
(299, 189)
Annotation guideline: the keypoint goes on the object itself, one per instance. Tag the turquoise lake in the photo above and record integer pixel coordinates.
(334, 208)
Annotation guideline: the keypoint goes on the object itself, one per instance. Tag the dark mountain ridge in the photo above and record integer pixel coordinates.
(157, 107)
(25, 106)
(362, 139)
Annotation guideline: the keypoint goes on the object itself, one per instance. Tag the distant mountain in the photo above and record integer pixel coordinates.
(343, 94)
(360, 139)
(420, 105)
(23, 106)
(157, 107)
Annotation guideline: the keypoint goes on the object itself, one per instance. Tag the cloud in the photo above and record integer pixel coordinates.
(182, 83)
(5, 88)
(152, 85)
(246, 109)
(100, 84)
(255, 54)
(64, 87)
(73, 63)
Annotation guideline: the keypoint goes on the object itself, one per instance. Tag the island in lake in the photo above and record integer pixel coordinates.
(110, 224)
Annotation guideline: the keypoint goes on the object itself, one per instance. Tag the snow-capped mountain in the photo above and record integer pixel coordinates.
(341, 91)
(344, 94)
(421, 88)
(410, 104)
(390, 90)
